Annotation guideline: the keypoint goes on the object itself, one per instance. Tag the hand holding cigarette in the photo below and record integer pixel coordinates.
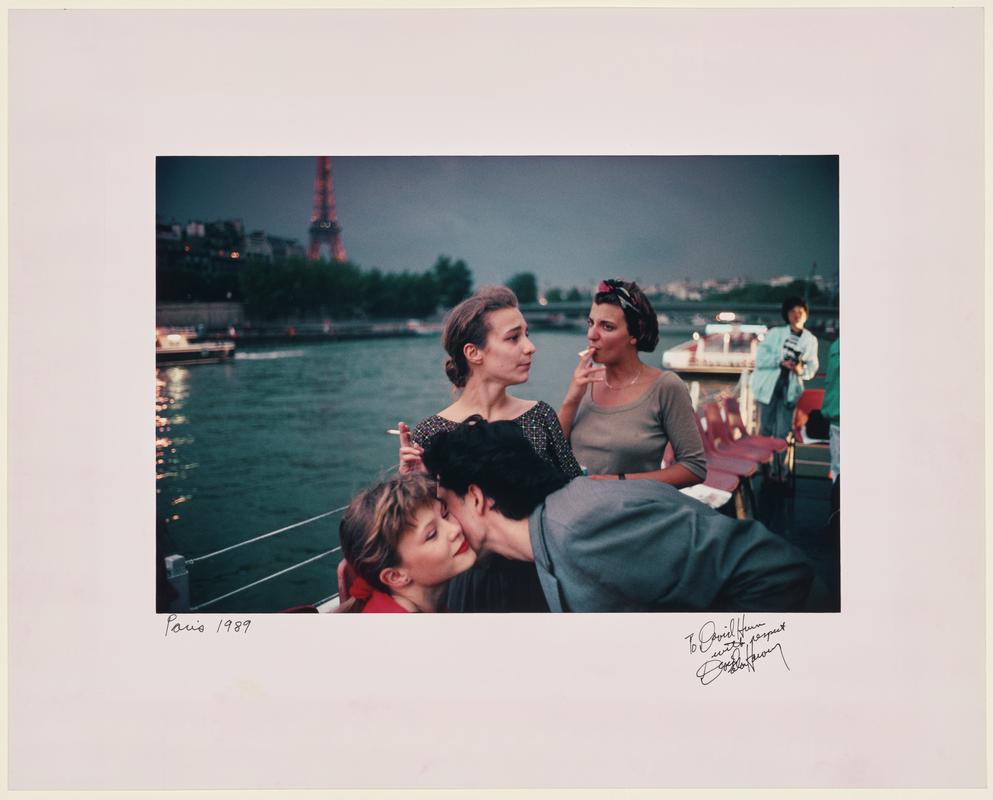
(410, 453)
(586, 372)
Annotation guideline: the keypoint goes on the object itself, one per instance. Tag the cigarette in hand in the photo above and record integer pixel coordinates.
(393, 432)
(583, 353)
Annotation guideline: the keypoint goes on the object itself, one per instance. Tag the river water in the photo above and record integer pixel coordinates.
(285, 433)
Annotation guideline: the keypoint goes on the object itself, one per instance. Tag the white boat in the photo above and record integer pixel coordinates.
(174, 348)
(725, 348)
(419, 328)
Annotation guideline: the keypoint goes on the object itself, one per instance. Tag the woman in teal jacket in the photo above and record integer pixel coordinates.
(785, 359)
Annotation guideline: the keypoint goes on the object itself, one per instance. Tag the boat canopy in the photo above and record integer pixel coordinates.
(729, 327)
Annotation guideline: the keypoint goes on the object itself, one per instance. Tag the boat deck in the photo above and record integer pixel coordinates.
(805, 519)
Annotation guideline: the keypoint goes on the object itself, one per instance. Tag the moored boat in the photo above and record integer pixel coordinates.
(421, 328)
(173, 347)
(725, 348)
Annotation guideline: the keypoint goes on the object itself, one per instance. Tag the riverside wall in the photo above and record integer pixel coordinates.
(191, 315)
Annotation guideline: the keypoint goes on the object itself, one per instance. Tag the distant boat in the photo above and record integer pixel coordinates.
(419, 328)
(174, 348)
(725, 348)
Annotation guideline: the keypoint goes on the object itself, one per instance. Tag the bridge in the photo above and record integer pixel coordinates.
(680, 312)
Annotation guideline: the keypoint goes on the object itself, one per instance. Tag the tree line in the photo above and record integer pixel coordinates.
(763, 293)
(301, 288)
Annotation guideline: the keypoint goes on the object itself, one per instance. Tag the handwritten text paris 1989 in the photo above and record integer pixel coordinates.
(736, 647)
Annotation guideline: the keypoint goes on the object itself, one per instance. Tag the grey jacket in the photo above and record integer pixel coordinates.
(642, 546)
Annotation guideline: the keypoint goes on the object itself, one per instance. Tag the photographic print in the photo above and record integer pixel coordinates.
(674, 321)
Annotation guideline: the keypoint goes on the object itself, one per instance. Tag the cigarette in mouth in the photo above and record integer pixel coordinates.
(584, 353)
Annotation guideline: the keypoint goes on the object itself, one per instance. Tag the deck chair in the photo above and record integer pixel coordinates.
(725, 462)
(723, 441)
(726, 474)
(724, 479)
(740, 431)
(809, 400)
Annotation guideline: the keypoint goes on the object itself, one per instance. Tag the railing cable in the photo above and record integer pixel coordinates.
(275, 574)
(264, 536)
(263, 580)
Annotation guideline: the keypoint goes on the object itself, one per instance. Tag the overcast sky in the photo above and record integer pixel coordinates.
(570, 220)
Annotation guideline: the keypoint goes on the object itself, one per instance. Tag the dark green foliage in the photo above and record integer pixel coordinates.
(454, 281)
(554, 295)
(300, 288)
(296, 287)
(525, 286)
(187, 284)
(573, 295)
(337, 289)
(763, 293)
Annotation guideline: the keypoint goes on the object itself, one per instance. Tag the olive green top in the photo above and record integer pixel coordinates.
(632, 437)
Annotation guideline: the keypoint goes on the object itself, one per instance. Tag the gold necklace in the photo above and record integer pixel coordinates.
(633, 381)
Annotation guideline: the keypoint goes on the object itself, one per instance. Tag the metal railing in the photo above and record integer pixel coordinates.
(176, 566)
(264, 536)
(178, 575)
(265, 579)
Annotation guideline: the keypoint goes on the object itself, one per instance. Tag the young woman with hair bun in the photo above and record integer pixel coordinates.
(486, 338)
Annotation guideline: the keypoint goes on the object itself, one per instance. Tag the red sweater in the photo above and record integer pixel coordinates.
(381, 603)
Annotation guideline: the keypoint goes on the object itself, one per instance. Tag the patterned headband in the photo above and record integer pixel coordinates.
(615, 287)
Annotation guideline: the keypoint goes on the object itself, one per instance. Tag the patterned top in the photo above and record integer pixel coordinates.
(541, 427)
(792, 351)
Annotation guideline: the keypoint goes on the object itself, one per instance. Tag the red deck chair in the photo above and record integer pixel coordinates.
(725, 462)
(721, 438)
(810, 400)
(738, 429)
(740, 490)
(727, 474)
(723, 479)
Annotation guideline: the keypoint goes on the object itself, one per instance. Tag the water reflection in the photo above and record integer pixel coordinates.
(171, 392)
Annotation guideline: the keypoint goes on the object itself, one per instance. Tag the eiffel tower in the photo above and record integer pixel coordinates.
(324, 227)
